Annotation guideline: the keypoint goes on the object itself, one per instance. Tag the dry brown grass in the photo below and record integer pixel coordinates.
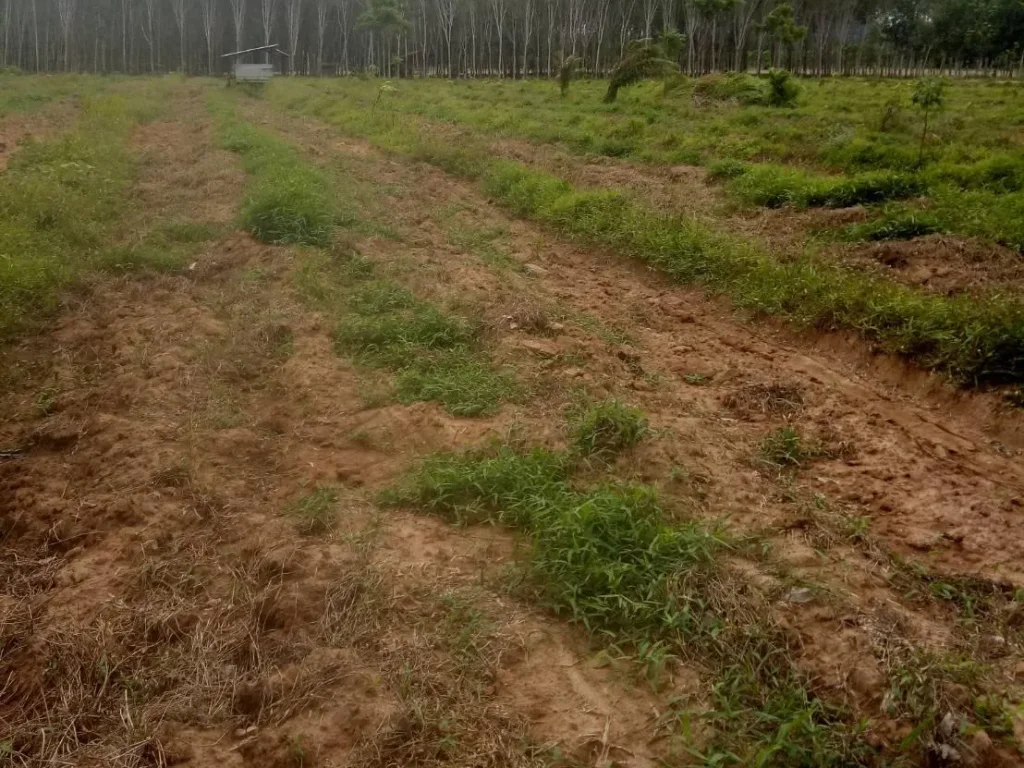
(445, 675)
(774, 399)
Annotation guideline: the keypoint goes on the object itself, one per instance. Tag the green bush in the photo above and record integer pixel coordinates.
(782, 89)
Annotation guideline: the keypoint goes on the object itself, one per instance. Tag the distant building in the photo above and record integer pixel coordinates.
(245, 70)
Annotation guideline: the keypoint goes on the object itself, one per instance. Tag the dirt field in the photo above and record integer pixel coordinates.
(199, 567)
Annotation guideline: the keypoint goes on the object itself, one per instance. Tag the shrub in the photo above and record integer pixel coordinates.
(741, 88)
(782, 90)
(641, 61)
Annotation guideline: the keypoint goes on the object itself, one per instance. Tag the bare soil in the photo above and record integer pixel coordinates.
(943, 264)
(161, 605)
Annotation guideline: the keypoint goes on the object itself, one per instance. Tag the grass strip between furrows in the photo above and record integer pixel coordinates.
(288, 201)
(605, 556)
(975, 340)
(436, 356)
(61, 205)
(21, 93)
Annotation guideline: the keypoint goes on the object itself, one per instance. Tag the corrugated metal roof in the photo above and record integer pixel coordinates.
(272, 47)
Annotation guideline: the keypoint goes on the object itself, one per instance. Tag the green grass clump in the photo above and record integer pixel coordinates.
(773, 186)
(904, 225)
(316, 512)
(606, 429)
(435, 355)
(288, 201)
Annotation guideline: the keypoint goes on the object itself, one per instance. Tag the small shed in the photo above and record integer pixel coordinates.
(245, 70)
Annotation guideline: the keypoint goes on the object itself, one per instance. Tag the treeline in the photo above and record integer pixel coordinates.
(515, 38)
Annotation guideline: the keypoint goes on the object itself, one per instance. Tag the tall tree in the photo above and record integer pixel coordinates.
(178, 10)
(238, 21)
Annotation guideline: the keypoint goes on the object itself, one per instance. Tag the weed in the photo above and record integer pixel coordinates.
(46, 400)
(316, 512)
(606, 429)
(786, 448)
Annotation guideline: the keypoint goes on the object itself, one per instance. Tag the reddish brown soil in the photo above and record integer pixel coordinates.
(943, 264)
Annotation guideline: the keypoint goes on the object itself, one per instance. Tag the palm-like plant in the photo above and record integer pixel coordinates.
(643, 59)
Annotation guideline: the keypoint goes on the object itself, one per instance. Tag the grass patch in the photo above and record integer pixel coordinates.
(606, 558)
(316, 513)
(436, 356)
(61, 203)
(606, 429)
(288, 201)
(892, 225)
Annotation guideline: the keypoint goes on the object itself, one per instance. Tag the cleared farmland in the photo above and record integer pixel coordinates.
(407, 426)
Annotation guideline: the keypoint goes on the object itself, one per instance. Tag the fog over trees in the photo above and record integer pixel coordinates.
(515, 38)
